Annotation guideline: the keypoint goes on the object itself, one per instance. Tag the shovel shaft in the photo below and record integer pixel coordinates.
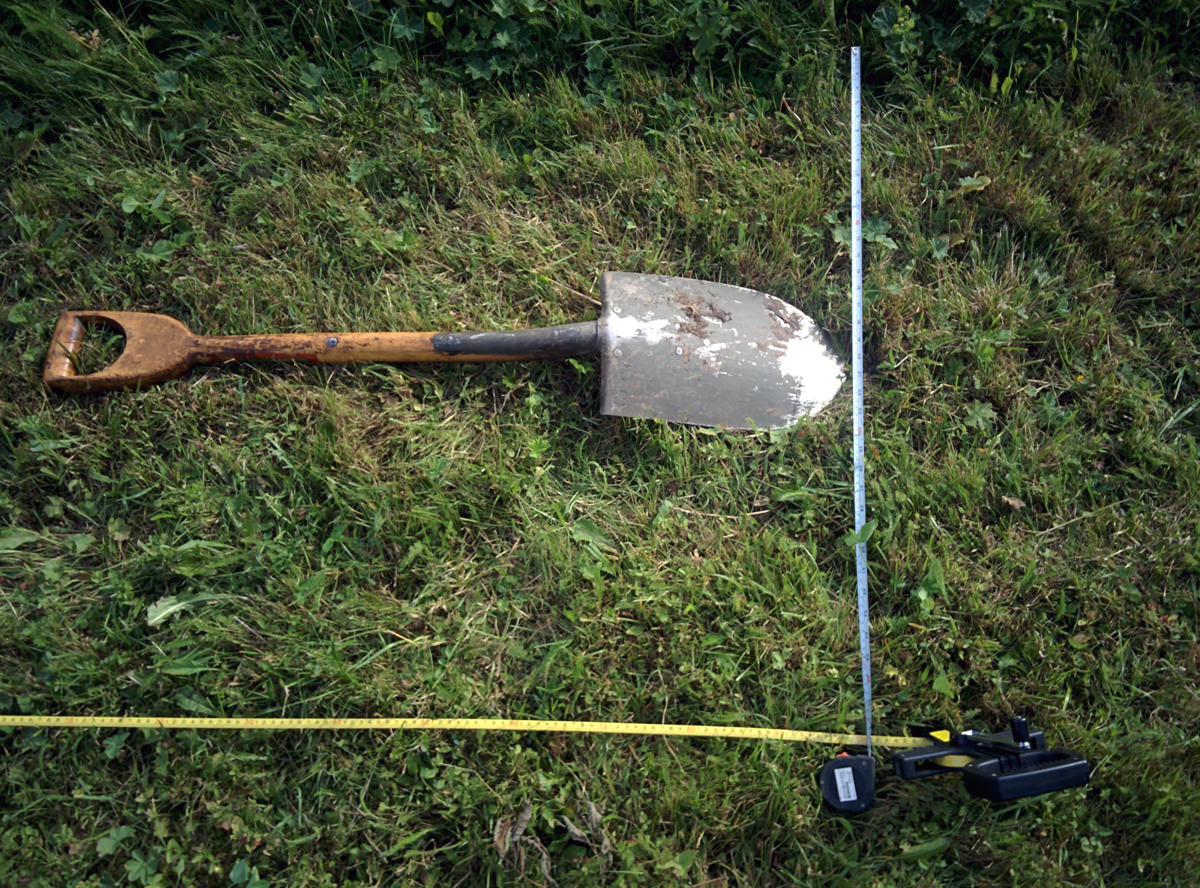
(347, 348)
(334, 348)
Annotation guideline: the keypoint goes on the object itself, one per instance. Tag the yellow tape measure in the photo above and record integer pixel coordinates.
(644, 729)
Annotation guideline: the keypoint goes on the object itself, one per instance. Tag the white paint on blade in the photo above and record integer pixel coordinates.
(708, 355)
(709, 349)
(809, 361)
(648, 331)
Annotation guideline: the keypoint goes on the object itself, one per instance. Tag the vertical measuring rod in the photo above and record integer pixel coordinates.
(848, 781)
(856, 299)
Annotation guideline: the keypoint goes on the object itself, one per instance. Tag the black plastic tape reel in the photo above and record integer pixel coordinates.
(848, 783)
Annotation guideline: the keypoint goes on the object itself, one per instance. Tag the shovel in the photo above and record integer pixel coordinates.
(670, 348)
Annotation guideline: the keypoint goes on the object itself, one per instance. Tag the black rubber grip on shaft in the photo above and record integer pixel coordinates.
(563, 341)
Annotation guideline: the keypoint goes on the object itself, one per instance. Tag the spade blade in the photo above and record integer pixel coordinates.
(710, 354)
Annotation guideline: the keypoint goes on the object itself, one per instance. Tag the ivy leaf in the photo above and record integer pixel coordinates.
(479, 66)
(980, 415)
(167, 81)
(386, 59)
(22, 312)
(107, 844)
(114, 744)
(875, 232)
(141, 868)
(839, 232)
(884, 19)
(976, 10)
(969, 184)
(312, 76)
(10, 118)
(118, 529)
(406, 27)
(508, 34)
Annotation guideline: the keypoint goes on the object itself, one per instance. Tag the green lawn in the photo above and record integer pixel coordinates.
(479, 541)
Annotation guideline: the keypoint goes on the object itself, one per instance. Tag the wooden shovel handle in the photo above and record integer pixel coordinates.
(64, 346)
(335, 348)
(351, 348)
(158, 348)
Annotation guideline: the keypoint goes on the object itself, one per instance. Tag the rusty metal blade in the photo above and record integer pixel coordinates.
(710, 354)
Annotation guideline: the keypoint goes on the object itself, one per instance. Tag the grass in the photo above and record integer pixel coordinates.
(479, 541)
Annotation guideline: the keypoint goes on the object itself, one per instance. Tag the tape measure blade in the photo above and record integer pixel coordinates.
(637, 729)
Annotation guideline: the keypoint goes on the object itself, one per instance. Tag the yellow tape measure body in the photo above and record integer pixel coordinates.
(645, 729)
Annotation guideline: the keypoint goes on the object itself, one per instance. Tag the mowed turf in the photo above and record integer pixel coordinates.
(480, 541)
